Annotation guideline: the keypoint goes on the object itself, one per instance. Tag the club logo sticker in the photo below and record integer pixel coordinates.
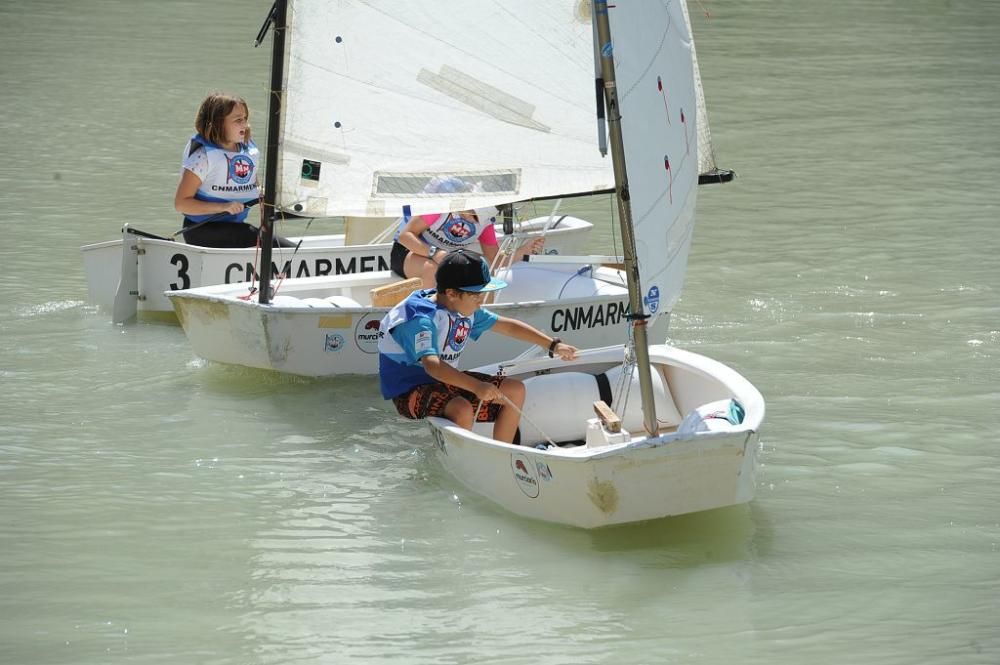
(334, 342)
(525, 474)
(652, 299)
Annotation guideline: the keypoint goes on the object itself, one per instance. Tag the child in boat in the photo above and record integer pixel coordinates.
(219, 176)
(422, 338)
(422, 241)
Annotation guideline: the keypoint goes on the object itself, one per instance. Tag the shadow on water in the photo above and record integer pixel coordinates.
(720, 536)
(348, 392)
(715, 536)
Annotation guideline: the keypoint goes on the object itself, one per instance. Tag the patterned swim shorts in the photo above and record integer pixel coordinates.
(430, 399)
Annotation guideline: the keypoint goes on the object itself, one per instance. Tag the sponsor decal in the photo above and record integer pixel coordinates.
(367, 334)
(652, 299)
(525, 474)
(588, 316)
(543, 471)
(240, 169)
(305, 267)
(334, 342)
(422, 342)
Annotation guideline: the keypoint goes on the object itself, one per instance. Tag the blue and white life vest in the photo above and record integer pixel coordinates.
(225, 175)
(451, 230)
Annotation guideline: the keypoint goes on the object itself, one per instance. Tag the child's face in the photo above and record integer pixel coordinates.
(234, 127)
(465, 302)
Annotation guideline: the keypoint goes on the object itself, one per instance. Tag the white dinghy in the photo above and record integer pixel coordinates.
(373, 102)
(639, 431)
(328, 326)
(703, 456)
(133, 284)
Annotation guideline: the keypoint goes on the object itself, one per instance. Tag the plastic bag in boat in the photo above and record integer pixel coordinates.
(720, 416)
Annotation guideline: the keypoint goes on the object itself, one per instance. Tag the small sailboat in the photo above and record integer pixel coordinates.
(374, 101)
(129, 276)
(637, 431)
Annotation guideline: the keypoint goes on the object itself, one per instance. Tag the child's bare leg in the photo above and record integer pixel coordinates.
(459, 411)
(415, 265)
(507, 420)
(429, 274)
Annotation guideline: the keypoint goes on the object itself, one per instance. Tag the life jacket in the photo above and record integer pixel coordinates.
(231, 176)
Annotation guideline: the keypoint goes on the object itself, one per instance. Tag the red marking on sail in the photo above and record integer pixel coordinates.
(670, 178)
(663, 93)
(687, 139)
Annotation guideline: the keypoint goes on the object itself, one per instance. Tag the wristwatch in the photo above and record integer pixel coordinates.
(431, 251)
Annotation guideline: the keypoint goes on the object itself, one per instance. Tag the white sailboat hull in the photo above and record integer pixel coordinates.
(165, 265)
(325, 326)
(701, 465)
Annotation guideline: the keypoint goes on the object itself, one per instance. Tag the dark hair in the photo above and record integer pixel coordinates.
(211, 118)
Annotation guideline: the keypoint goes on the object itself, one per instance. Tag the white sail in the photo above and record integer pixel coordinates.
(381, 97)
(654, 59)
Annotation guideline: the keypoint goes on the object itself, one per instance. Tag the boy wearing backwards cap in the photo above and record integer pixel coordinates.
(421, 340)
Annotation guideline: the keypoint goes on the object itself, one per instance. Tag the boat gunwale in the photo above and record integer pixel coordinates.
(730, 379)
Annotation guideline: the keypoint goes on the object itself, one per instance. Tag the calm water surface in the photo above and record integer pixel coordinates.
(158, 509)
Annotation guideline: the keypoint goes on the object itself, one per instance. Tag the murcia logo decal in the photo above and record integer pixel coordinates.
(525, 474)
(367, 334)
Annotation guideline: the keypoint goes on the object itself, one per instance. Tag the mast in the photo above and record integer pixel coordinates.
(637, 316)
(269, 211)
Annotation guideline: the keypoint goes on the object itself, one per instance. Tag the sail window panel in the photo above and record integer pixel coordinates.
(420, 185)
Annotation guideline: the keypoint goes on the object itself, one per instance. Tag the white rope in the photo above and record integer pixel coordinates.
(512, 242)
(548, 223)
(505, 253)
(520, 413)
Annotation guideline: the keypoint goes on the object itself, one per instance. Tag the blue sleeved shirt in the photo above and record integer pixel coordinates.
(419, 327)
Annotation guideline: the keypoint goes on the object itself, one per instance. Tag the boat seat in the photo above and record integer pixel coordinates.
(392, 294)
(342, 301)
(314, 303)
(287, 301)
